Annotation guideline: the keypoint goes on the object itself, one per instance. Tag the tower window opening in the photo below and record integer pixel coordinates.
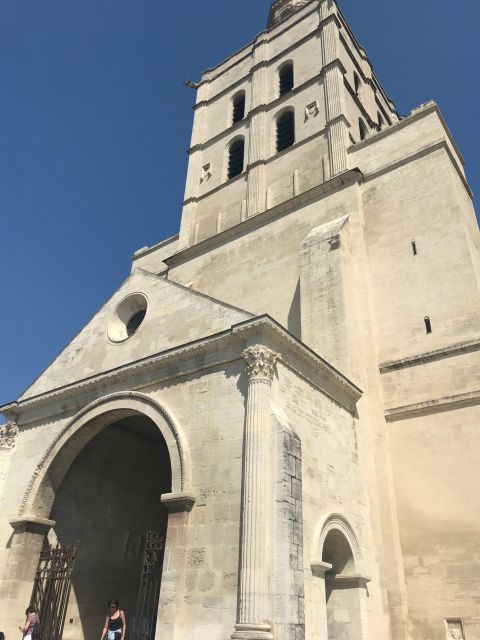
(414, 248)
(238, 107)
(428, 325)
(357, 84)
(380, 120)
(236, 155)
(363, 129)
(285, 130)
(285, 78)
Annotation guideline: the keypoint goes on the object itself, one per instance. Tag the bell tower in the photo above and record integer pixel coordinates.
(276, 118)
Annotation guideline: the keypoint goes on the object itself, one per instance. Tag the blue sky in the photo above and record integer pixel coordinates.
(95, 122)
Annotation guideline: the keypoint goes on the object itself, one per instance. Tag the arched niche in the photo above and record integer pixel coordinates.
(338, 568)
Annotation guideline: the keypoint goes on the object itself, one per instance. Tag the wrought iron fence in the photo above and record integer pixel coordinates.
(142, 625)
(51, 589)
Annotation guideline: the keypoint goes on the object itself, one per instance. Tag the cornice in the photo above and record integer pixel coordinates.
(416, 114)
(339, 181)
(431, 148)
(141, 253)
(447, 403)
(284, 341)
(307, 364)
(430, 356)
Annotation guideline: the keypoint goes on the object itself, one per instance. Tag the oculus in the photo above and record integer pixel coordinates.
(127, 317)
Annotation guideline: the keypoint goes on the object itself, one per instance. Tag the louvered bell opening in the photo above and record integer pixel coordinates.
(285, 131)
(235, 159)
(286, 79)
(238, 108)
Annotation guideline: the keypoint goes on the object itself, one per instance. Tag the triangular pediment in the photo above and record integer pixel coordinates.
(174, 315)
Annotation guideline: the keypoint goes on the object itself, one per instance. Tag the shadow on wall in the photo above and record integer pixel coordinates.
(294, 315)
(342, 596)
(107, 501)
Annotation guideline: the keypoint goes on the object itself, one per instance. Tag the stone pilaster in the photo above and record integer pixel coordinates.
(256, 184)
(172, 604)
(255, 596)
(337, 130)
(20, 567)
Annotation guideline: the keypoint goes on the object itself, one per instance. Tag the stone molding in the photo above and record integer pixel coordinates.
(260, 363)
(344, 179)
(178, 502)
(320, 568)
(430, 356)
(31, 524)
(420, 153)
(8, 435)
(309, 367)
(416, 114)
(356, 580)
(332, 522)
(447, 403)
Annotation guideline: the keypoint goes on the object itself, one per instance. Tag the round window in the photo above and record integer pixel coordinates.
(127, 317)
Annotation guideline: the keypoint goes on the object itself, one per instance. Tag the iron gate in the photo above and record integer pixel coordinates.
(51, 588)
(142, 626)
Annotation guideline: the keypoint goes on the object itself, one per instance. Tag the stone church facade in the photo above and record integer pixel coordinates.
(287, 390)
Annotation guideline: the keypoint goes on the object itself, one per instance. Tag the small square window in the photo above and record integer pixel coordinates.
(454, 629)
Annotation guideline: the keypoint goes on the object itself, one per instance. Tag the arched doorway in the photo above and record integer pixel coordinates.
(108, 500)
(90, 452)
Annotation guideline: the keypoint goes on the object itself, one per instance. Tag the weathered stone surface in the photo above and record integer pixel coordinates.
(224, 416)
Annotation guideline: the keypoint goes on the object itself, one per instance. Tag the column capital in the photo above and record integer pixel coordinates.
(8, 434)
(260, 362)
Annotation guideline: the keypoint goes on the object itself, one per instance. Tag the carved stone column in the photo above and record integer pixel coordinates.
(255, 596)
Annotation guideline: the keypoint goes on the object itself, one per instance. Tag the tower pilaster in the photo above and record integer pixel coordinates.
(256, 189)
(337, 130)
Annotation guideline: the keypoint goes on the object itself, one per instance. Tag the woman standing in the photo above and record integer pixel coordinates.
(31, 623)
(115, 625)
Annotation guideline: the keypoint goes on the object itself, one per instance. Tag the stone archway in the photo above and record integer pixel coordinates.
(85, 425)
(341, 581)
(121, 421)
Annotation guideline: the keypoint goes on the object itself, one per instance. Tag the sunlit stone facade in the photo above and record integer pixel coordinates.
(288, 390)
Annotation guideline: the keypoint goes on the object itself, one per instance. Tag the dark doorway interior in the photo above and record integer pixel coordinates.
(108, 500)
